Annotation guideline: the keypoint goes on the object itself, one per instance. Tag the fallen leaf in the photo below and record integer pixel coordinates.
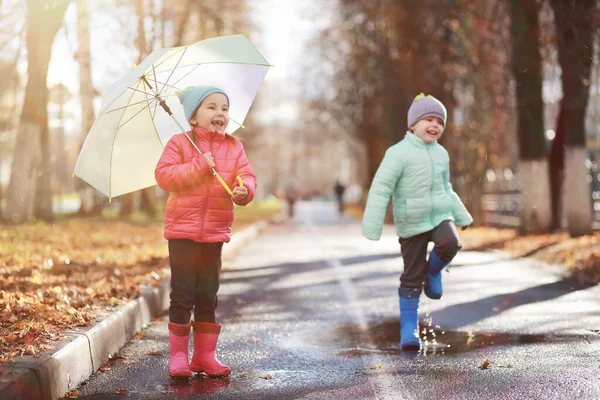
(105, 367)
(28, 338)
(154, 352)
(379, 366)
(267, 377)
(486, 364)
(121, 391)
(238, 314)
(130, 362)
(73, 394)
(254, 339)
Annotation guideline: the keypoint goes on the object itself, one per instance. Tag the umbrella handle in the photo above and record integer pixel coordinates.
(222, 182)
(225, 186)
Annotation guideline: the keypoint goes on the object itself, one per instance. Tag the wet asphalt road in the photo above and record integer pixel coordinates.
(310, 311)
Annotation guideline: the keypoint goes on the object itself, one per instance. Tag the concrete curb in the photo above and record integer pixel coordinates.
(81, 352)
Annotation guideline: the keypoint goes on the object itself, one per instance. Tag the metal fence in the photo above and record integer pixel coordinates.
(501, 200)
(501, 203)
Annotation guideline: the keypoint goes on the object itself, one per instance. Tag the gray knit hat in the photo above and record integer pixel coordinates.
(425, 106)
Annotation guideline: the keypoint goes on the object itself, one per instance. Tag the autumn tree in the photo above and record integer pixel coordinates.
(533, 165)
(574, 22)
(385, 52)
(91, 201)
(29, 192)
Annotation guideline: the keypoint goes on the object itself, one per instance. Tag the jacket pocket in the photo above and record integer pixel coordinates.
(417, 210)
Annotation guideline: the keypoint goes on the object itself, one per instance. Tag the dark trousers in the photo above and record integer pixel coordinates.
(195, 272)
(414, 252)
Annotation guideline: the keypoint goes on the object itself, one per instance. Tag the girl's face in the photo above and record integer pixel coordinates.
(429, 129)
(212, 114)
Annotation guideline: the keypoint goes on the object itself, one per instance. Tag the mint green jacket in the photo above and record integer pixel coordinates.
(416, 175)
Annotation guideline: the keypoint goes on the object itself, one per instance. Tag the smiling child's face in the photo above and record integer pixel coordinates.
(429, 129)
(212, 114)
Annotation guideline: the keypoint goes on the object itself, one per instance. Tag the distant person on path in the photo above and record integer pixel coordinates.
(198, 219)
(415, 172)
(291, 196)
(339, 190)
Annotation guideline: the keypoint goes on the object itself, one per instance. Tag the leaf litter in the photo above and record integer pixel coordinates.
(61, 276)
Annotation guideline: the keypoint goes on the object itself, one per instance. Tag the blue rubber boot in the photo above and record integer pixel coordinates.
(433, 285)
(409, 318)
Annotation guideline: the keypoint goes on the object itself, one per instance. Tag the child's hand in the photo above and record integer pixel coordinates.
(239, 193)
(209, 159)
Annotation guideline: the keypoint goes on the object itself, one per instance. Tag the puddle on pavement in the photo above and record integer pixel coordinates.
(385, 337)
(198, 385)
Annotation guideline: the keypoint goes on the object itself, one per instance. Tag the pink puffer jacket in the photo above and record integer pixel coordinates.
(199, 208)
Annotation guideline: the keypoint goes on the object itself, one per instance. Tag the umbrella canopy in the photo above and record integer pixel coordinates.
(121, 150)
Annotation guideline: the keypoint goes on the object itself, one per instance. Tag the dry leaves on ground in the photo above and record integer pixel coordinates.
(64, 275)
(121, 391)
(581, 255)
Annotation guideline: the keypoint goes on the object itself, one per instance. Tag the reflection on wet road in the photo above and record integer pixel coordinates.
(310, 311)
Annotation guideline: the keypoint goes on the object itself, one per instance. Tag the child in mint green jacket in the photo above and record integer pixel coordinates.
(415, 172)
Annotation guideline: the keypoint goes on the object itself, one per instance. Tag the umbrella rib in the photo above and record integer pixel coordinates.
(192, 70)
(165, 84)
(173, 70)
(195, 67)
(170, 56)
(134, 115)
(138, 90)
(128, 105)
(156, 104)
(113, 148)
(154, 73)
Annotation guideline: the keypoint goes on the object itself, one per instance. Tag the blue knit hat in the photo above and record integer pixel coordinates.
(192, 96)
(424, 106)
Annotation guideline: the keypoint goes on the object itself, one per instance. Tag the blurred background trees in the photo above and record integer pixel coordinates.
(519, 79)
(483, 59)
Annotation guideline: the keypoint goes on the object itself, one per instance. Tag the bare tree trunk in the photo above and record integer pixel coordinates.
(557, 164)
(43, 190)
(181, 25)
(163, 22)
(91, 201)
(536, 213)
(44, 21)
(574, 30)
(149, 201)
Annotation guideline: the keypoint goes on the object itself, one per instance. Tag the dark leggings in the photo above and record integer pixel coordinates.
(195, 271)
(414, 252)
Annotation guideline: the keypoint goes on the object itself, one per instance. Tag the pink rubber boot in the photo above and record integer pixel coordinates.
(179, 336)
(206, 335)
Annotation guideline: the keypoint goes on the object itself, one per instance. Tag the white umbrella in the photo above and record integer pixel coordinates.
(121, 150)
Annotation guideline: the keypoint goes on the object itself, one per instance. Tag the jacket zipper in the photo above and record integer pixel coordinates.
(206, 197)
(431, 188)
